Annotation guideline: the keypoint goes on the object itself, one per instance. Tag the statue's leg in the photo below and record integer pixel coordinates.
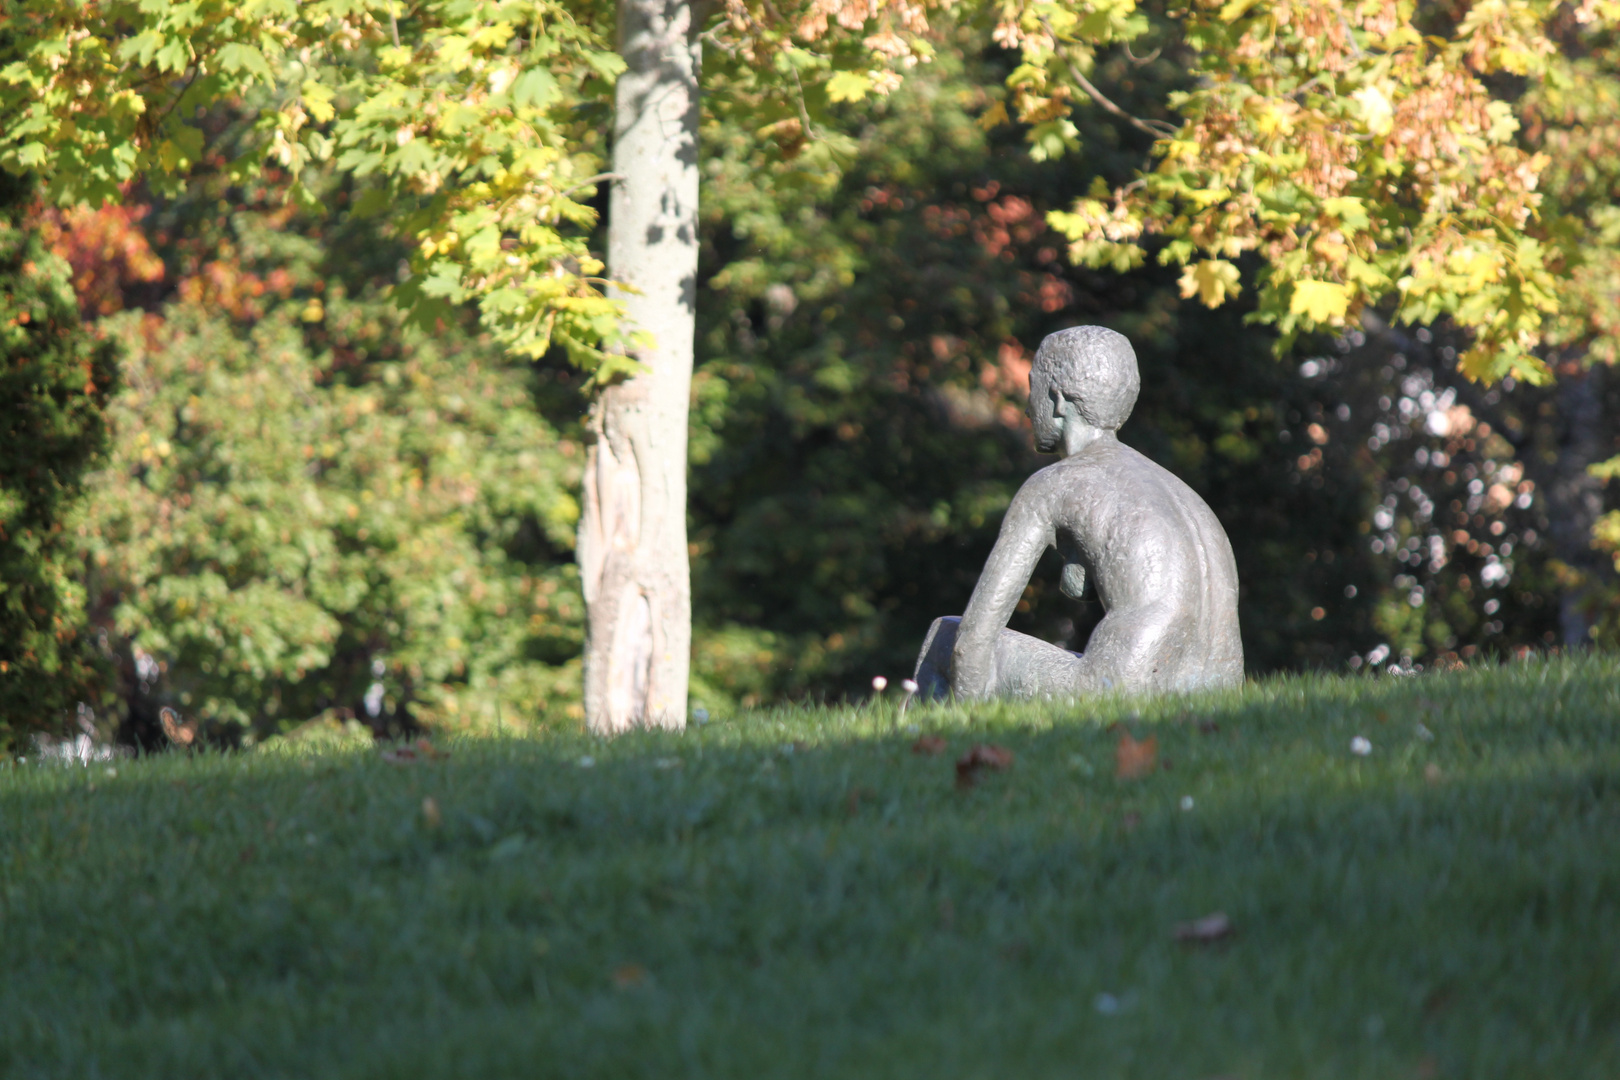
(1024, 666)
(1027, 667)
(933, 674)
(1143, 649)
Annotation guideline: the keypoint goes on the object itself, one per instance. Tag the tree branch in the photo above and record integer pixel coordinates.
(588, 182)
(1156, 128)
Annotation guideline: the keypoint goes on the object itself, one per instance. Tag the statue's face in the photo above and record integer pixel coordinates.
(1043, 410)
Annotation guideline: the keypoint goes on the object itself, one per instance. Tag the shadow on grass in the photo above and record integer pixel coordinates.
(800, 894)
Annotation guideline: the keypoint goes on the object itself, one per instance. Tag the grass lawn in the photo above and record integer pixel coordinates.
(799, 893)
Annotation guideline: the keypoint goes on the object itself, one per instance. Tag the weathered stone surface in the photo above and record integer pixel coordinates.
(1159, 560)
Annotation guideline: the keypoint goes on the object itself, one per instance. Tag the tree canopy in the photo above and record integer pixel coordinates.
(1366, 153)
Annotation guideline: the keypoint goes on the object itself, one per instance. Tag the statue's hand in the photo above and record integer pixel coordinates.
(1073, 584)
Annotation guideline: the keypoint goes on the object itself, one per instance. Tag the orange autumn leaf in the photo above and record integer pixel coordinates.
(929, 746)
(1134, 760)
(981, 756)
(421, 751)
(629, 976)
(179, 733)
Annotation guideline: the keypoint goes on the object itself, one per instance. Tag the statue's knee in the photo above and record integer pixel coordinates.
(933, 674)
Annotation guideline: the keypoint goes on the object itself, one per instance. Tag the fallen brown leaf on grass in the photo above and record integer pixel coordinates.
(980, 757)
(178, 733)
(1212, 927)
(929, 746)
(628, 976)
(1134, 760)
(421, 750)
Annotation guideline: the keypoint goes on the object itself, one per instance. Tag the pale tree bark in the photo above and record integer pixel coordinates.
(632, 535)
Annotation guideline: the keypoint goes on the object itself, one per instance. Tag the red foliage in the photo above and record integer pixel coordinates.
(107, 251)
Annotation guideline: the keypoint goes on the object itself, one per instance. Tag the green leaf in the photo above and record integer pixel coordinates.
(534, 88)
(235, 56)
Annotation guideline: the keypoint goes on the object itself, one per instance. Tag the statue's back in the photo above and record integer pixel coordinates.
(1162, 566)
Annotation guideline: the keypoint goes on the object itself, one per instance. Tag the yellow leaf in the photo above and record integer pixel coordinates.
(1320, 301)
(1480, 364)
(1376, 110)
(318, 101)
(994, 116)
(1212, 280)
(1481, 267)
(848, 86)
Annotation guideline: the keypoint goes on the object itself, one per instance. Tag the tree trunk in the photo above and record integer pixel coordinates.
(632, 535)
(1575, 498)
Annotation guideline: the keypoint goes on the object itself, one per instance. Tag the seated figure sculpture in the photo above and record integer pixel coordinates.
(1158, 558)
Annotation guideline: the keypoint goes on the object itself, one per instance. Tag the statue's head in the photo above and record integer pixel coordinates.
(1092, 368)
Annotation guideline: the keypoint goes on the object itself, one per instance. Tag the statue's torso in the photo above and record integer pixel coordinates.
(1150, 545)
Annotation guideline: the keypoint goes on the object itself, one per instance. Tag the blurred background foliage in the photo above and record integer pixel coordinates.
(54, 381)
(311, 512)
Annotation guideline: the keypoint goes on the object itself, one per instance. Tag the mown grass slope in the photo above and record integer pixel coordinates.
(799, 893)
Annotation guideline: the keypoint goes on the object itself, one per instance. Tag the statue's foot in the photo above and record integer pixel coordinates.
(933, 674)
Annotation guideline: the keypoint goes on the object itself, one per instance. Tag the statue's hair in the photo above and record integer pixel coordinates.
(1095, 368)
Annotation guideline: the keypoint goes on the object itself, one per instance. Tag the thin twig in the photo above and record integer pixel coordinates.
(589, 182)
(157, 125)
(393, 25)
(709, 36)
(1350, 35)
(1157, 128)
(1141, 60)
(804, 114)
(1307, 84)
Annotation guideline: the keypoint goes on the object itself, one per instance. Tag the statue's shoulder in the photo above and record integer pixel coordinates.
(1140, 467)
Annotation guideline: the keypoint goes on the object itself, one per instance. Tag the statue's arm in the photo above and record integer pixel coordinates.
(1025, 535)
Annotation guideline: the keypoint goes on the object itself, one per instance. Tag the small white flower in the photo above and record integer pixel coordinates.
(909, 685)
(1360, 746)
(879, 684)
(586, 762)
(1186, 802)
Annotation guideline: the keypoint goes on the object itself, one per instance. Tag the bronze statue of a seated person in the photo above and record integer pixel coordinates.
(1158, 558)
